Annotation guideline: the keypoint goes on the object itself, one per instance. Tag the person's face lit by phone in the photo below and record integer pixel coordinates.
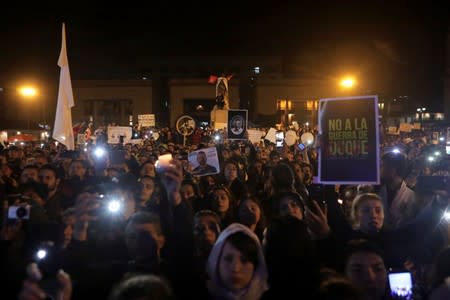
(77, 169)
(48, 178)
(187, 191)
(231, 172)
(367, 271)
(307, 175)
(263, 155)
(235, 270)
(29, 174)
(221, 201)
(147, 189)
(249, 213)
(205, 230)
(369, 216)
(148, 169)
(290, 207)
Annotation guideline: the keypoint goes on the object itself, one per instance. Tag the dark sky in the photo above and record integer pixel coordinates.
(392, 48)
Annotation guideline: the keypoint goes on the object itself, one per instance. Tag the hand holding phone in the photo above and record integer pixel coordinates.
(33, 287)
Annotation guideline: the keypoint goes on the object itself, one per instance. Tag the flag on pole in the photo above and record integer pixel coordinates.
(63, 130)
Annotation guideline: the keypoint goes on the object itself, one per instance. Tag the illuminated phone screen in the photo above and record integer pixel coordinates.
(401, 285)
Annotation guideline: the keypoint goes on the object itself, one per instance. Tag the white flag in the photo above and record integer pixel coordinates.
(63, 131)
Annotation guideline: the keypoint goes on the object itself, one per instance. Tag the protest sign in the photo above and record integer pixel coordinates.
(237, 124)
(349, 147)
(204, 161)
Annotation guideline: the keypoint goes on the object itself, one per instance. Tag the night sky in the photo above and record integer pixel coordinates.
(393, 49)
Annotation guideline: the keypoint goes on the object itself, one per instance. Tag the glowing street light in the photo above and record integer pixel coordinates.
(348, 82)
(28, 91)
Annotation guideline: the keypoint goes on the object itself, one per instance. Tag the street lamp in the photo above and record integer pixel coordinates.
(347, 82)
(28, 92)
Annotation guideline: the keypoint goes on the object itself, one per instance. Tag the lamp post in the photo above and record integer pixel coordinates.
(28, 92)
(347, 84)
(421, 110)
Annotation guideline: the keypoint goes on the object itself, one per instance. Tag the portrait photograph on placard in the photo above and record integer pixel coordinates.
(237, 124)
(204, 162)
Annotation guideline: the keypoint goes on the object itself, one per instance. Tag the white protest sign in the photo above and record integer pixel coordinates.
(271, 135)
(147, 120)
(254, 135)
(115, 132)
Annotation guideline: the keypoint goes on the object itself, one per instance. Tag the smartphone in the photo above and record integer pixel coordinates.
(279, 139)
(301, 146)
(21, 212)
(48, 260)
(401, 285)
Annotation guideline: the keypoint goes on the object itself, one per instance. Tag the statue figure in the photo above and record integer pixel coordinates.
(222, 99)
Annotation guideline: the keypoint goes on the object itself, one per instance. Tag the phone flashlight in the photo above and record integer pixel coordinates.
(41, 254)
(114, 206)
(430, 158)
(99, 152)
(217, 137)
(396, 150)
(447, 216)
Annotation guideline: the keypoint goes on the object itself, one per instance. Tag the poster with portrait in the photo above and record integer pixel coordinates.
(237, 124)
(204, 161)
(349, 134)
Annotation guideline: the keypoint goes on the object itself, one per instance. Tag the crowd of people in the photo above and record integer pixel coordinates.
(107, 222)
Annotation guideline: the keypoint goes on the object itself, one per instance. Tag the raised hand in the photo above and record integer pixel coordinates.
(171, 179)
(316, 219)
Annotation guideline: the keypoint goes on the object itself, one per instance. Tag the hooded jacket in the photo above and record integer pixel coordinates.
(258, 284)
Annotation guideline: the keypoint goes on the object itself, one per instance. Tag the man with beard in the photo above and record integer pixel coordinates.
(399, 201)
(55, 200)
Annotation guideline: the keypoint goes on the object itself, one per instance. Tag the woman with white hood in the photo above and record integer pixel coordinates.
(236, 266)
